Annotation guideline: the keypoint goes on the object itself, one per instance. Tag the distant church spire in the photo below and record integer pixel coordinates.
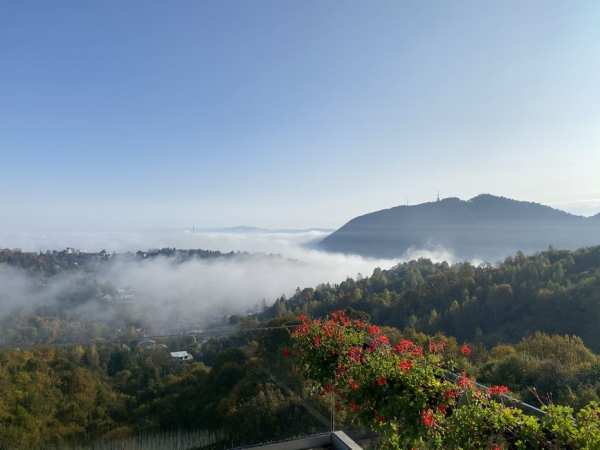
(438, 197)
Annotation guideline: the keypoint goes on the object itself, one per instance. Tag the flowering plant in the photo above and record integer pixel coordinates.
(404, 393)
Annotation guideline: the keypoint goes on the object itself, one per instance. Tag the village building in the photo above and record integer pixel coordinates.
(182, 356)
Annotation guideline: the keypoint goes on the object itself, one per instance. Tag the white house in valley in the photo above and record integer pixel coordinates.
(182, 356)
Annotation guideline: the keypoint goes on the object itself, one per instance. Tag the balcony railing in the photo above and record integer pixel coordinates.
(337, 440)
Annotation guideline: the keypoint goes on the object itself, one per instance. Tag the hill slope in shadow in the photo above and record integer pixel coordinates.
(485, 227)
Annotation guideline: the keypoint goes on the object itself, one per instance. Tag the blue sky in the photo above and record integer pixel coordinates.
(291, 113)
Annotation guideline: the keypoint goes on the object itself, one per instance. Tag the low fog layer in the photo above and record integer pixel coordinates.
(170, 295)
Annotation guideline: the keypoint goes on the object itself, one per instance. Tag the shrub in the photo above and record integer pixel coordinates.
(403, 391)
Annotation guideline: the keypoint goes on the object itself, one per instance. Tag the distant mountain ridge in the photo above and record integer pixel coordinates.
(243, 229)
(485, 227)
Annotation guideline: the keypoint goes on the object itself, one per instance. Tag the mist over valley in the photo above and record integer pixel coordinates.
(170, 290)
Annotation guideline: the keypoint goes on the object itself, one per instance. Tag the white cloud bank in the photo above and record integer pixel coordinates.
(198, 290)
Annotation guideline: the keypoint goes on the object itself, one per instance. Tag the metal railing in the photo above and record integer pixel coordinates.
(337, 440)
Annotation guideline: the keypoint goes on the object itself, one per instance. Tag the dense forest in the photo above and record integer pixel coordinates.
(61, 396)
(54, 262)
(529, 324)
(555, 291)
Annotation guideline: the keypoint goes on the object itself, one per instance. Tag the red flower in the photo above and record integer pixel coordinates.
(285, 352)
(377, 341)
(374, 330)
(465, 350)
(405, 365)
(355, 354)
(432, 346)
(340, 317)
(498, 390)
(403, 346)
(465, 382)
(353, 384)
(383, 340)
(417, 351)
(317, 341)
(302, 318)
(442, 408)
(427, 418)
(354, 407)
(381, 381)
(450, 394)
(301, 329)
(329, 328)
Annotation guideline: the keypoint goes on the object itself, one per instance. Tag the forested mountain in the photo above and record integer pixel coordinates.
(554, 291)
(485, 227)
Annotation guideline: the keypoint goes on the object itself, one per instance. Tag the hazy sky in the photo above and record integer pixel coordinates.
(117, 114)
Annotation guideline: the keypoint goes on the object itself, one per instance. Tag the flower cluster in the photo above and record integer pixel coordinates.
(498, 390)
(428, 418)
(465, 382)
(404, 392)
(357, 358)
